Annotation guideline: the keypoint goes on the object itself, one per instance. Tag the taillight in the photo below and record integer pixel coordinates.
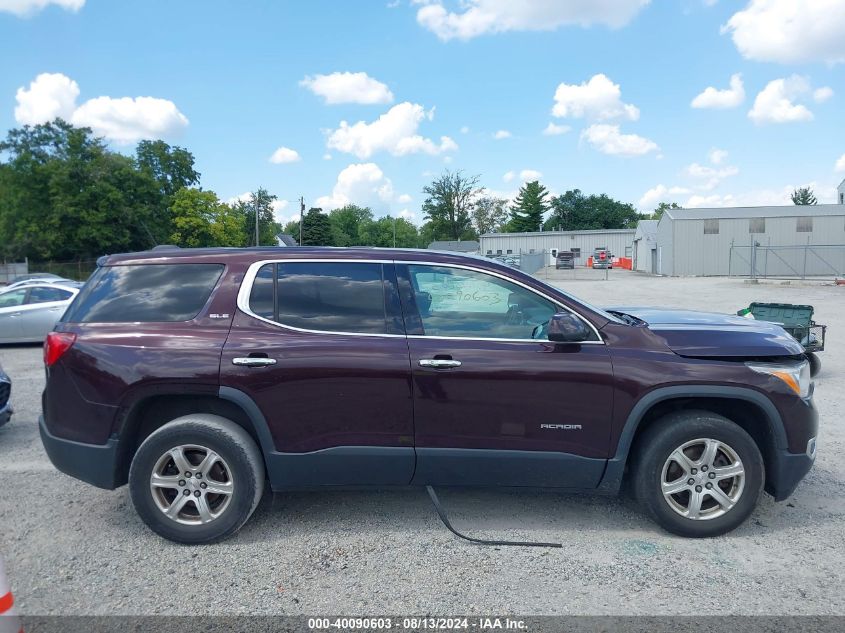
(55, 345)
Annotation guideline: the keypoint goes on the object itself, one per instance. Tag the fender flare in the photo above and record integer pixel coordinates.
(612, 479)
(259, 422)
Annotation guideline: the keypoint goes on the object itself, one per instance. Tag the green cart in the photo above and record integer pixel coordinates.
(797, 320)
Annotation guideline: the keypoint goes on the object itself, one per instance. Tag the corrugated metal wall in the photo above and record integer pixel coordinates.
(665, 244)
(516, 243)
(697, 253)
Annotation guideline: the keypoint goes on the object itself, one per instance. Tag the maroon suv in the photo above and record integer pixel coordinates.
(198, 375)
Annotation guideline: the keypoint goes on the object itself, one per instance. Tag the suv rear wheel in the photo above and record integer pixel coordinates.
(197, 479)
(698, 473)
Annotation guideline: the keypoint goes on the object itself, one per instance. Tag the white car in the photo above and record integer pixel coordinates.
(36, 280)
(28, 312)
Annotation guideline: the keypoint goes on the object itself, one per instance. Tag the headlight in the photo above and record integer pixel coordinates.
(795, 375)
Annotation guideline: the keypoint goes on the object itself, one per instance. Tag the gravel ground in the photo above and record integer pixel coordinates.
(70, 548)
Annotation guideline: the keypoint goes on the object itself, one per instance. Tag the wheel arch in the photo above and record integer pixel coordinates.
(748, 408)
(153, 411)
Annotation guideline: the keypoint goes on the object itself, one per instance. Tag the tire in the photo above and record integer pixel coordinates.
(656, 462)
(815, 363)
(236, 469)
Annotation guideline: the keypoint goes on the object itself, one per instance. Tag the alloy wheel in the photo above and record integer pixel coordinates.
(191, 484)
(702, 479)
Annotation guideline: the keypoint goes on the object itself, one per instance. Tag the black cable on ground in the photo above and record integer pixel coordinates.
(443, 517)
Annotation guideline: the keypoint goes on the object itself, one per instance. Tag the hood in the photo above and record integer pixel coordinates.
(710, 334)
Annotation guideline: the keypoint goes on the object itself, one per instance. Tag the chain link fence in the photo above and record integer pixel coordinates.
(819, 261)
(79, 270)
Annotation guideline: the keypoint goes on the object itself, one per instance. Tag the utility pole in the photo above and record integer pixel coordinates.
(394, 231)
(301, 216)
(255, 208)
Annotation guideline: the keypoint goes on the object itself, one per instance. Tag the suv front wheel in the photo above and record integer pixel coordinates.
(197, 479)
(698, 473)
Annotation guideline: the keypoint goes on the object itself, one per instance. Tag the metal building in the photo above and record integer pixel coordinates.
(785, 241)
(645, 247)
(581, 243)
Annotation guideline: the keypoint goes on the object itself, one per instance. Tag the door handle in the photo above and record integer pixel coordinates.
(252, 361)
(439, 363)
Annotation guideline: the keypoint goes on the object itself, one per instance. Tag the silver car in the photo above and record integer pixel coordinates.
(28, 312)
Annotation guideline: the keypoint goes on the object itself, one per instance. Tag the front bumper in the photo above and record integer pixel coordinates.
(95, 464)
(785, 473)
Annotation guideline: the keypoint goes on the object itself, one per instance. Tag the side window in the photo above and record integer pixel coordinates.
(324, 296)
(465, 303)
(12, 298)
(43, 294)
(149, 293)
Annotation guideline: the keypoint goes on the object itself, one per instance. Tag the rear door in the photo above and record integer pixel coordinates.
(319, 346)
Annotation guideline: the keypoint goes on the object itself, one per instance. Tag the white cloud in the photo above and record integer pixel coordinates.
(599, 99)
(278, 207)
(126, 119)
(348, 88)
(774, 104)
(408, 215)
(50, 95)
(529, 175)
(717, 156)
(359, 183)
(840, 164)
(465, 129)
(790, 32)
(820, 95)
(404, 199)
(509, 176)
(753, 198)
(394, 131)
(501, 134)
(327, 156)
(480, 17)
(608, 140)
(552, 129)
(728, 98)
(710, 176)
(122, 120)
(246, 196)
(285, 155)
(660, 193)
(23, 8)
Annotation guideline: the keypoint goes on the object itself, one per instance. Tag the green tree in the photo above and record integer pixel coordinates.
(447, 206)
(172, 167)
(316, 228)
(200, 219)
(663, 206)
(292, 228)
(64, 195)
(803, 195)
(382, 232)
(573, 211)
(489, 214)
(348, 223)
(528, 208)
(260, 202)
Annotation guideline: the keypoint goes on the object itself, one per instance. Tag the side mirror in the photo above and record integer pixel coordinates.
(565, 327)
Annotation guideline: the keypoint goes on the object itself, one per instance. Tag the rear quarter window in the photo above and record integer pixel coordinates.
(145, 292)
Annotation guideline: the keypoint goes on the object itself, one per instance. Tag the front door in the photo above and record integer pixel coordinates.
(495, 402)
(320, 348)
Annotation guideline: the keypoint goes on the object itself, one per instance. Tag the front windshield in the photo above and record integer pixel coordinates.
(607, 315)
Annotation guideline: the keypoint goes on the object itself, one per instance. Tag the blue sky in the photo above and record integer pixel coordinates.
(236, 81)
